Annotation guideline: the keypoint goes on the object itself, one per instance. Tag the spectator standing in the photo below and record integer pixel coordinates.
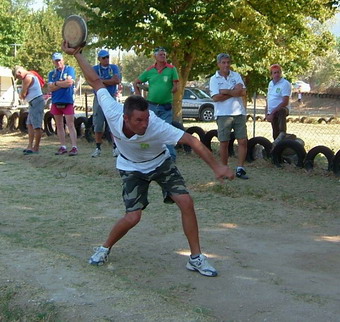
(32, 93)
(142, 138)
(227, 90)
(110, 76)
(277, 103)
(162, 81)
(61, 84)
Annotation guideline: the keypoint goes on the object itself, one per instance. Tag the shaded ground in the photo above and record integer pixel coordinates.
(274, 240)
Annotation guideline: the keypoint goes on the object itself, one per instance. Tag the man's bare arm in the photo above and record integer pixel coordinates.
(221, 171)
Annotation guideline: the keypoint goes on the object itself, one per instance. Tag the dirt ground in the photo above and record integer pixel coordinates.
(274, 240)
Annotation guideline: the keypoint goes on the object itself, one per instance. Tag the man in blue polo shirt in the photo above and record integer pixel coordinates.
(110, 76)
(61, 84)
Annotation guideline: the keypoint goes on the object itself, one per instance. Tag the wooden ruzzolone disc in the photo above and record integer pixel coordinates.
(74, 31)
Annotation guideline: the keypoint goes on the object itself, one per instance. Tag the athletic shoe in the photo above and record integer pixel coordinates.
(115, 152)
(240, 173)
(61, 151)
(29, 152)
(73, 151)
(100, 256)
(201, 265)
(97, 152)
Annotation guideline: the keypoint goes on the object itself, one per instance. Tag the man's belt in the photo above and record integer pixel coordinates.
(158, 155)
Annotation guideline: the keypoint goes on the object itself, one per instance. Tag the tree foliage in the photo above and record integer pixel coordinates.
(133, 66)
(12, 34)
(256, 32)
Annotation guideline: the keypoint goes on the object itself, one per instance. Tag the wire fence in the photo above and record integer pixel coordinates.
(315, 120)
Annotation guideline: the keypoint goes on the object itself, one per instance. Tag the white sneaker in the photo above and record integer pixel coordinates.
(115, 152)
(201, 265)
(97, 152)
(100, 256)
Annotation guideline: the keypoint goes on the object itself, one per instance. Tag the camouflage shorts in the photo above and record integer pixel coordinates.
(136, 185)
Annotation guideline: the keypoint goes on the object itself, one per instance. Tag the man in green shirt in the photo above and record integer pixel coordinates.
(162, 81)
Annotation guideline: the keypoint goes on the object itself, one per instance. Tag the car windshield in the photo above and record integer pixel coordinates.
(200, 94)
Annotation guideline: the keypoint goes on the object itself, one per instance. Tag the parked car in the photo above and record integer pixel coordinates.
(197, 104)
(301, 86)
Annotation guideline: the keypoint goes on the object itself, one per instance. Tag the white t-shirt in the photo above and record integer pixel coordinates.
(233, 105)
(276, 92)
(144, 152)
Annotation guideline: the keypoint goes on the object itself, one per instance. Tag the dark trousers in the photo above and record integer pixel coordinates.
(279, 122)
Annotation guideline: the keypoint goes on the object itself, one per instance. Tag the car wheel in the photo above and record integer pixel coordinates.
(207, 114)
(327, 152)
(258, 147)
(290, 151)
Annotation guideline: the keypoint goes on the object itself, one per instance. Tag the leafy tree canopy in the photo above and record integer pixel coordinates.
(12, 34)
(256, 33)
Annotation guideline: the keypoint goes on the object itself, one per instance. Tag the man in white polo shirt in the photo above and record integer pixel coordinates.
(141, 138)
(227, 89)
(277, 104)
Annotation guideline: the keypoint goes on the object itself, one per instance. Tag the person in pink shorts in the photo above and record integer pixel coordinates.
(61, 84)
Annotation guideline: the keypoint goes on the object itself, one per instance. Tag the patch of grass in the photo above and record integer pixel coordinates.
(12, 310)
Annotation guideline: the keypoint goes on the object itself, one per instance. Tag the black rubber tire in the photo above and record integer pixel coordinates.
(250, 118)
(4, 119)
(180, 126)
(258, 140)
(48, 104)
(207, 114)
(208, 137)
(49, 129)
(310, 156)
(336, 164)
(213, 133)
(322, 120)
(13, 124)
(22, 122)
(80, 123)
(89, 131)
(299, 150)
(196, 130)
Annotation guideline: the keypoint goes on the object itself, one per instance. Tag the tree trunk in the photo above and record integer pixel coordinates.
(183, 67)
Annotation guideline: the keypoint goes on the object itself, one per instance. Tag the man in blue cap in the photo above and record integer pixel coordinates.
(61, 84)
(110, 76)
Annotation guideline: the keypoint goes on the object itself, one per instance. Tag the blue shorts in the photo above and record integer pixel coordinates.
(36, 112)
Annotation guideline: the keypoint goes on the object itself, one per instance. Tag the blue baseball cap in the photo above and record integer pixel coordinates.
(57, 56)
(103, 53)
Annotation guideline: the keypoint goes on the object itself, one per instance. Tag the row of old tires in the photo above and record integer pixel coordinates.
(287, 151)
(304, 119)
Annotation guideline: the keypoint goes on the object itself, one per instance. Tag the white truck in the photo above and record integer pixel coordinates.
(13, 111)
